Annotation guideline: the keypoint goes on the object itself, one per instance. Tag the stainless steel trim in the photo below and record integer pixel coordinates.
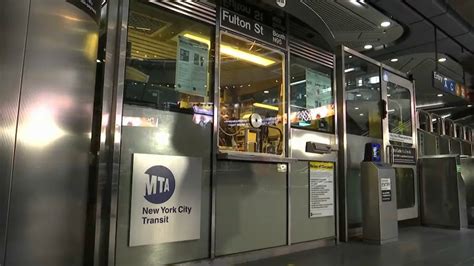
(395, 71)
(13, 23)
(215, 138)
(343, 233)
(192, 9)
(288, 135)
(239, 156)
(115, 122)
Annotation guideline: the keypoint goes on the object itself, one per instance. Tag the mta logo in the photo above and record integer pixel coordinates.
(160, 184)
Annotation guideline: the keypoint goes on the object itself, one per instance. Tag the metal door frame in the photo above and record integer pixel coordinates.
(390, 75)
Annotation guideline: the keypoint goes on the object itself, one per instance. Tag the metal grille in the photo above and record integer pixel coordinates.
(337, 17)
(194, 9)
(306, 51)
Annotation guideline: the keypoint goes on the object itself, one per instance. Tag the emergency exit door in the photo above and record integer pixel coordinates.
(400, 140)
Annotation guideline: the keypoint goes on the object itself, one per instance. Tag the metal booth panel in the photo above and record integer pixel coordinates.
(455, 146)
(304, 228)
(467, 173)
(427, 143)
(176, 134)
(13, 23)
(444, 145)
(443, 194)
(49, 195)
(251, 206)
(466, 148)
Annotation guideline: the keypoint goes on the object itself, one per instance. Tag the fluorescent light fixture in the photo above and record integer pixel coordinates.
(266, 92)
(355, 2)
(349, 70)
(440, 95)
(298, 82)
(388, 95)
(446, 116)
(374, 80)
(358, 95)
(368, 46)
(356, 108)
(385, 24)
(361, 114)
(227, 50)
(394, 60)
(266, 106)
(442, 59)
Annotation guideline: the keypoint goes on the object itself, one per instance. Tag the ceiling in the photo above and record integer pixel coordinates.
(415, 49)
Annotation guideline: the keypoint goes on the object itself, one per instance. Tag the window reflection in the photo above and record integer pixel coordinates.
(251, 97)
(362, 97)
(168, 61)
(312, 98)
(399, 113)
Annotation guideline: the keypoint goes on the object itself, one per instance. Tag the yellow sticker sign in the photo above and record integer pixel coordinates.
(321, 166)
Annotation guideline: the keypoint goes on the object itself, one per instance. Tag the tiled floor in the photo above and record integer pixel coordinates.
(416, 246)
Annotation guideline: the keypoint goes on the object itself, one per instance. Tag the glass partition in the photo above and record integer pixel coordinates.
(252, 97)
(459, 131)
(311, 96)
(449, 127)
(399, 114)
(363, 116)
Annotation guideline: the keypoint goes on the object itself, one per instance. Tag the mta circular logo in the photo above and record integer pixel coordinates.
(160, 184)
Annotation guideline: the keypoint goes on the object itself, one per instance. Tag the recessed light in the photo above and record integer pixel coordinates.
(358, 95)
(368, 46)
(350, 56)
(385, 24)
(361, 114)
(266, 92)
(469, 105)
(394, 60)
(440, 95)
(356, 108)
(442, 59)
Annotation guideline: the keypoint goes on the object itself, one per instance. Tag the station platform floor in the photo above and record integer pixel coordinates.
(416, 246)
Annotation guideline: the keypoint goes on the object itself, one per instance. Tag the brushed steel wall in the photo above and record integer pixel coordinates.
(47, 213)
(12, 48)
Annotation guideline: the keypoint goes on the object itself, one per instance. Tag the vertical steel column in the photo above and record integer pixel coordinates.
(215, 137)
(13, 22)
(342, 143)
(287, 77)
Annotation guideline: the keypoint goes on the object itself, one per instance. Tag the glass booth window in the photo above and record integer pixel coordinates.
(252, 102)
(311, 96)
(399, 113)
(363, 116)
(168, 62)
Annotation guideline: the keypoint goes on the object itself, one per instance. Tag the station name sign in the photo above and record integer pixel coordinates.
(448, 85)
(253, 22)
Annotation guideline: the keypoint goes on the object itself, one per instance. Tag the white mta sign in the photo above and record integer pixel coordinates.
(166, 199)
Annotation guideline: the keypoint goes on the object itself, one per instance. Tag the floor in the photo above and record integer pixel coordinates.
(416, 246)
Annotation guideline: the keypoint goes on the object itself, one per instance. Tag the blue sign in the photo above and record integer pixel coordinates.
(443, 83)
(160, 184)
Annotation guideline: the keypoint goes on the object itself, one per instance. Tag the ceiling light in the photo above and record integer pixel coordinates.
(98, 60)
(446, 116)
(227, 50)
(350, 56)
(368, 46)
(394, 60)
(388, 95)
(356, 108)
(349, 70)
(442, 59)
(358, 95)
(266, 106)
(361, 114)
(266, 92)
(469, 105)
(385, 24)
(440, 95)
